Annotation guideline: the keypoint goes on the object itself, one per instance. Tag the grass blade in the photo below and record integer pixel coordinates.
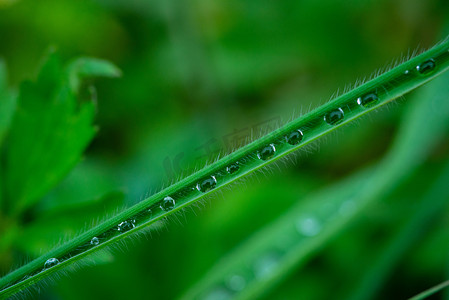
(240, 163)
(404, 156)
(432, 96)
(431, 291)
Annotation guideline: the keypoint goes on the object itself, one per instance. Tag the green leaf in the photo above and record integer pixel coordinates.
(249, 159)
(7, 102)
(7, 107)
(93, 178)
(86, 68)
(49, 133)
(429, 207)
(276, 249)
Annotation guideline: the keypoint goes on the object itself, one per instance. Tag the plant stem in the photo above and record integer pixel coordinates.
(271, 147)
(431, 291)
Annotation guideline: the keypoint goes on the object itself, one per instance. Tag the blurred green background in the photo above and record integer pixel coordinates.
(197, 73)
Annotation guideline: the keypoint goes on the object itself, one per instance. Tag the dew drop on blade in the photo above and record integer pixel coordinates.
(368, 100)
(168, 203)
(51, 262)
(426, 67)
(236, 283)
(266, 152)
(265, 265)
(231, 169)
(308, 226)
(94, 241)
(295, 137)
(334, 117)
(126, 225)
(207, 184)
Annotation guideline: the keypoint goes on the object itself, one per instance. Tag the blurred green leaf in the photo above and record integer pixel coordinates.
(262, 58)
(273, 251)
(7, 107)
(7, 102)
(49, 133)
(86, 68)
(429, 207)
(94, 180)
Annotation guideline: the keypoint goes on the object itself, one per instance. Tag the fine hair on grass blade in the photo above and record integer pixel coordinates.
(261, 152)
(308, 226)
(430, 97)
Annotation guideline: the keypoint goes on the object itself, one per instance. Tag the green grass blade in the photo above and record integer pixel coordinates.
(430, 207)
(432, 101)
(269, 255)
(405, 155)
(240, 163)
(431, 291)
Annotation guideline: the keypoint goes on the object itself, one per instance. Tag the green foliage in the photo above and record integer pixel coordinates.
(86, 68)
(244, 161)
(7, 104)
(433, 199)
(49, 131)
(57, 130)
(295, 237)
(199, 76)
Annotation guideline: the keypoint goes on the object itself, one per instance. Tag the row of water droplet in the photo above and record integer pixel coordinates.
(294, 138)
(307, 226)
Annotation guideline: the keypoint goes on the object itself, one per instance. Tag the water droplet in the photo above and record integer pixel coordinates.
(407, 72)
(236, 283)
(369, 100)
(231, 169)
(51, 262)
(126, 225)
(94, 241)
(265, 265)
(295, 137)
(168, 203)
(266, 152)
(207, 184)
(426, 67)
(308, 226)
(334, 117)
